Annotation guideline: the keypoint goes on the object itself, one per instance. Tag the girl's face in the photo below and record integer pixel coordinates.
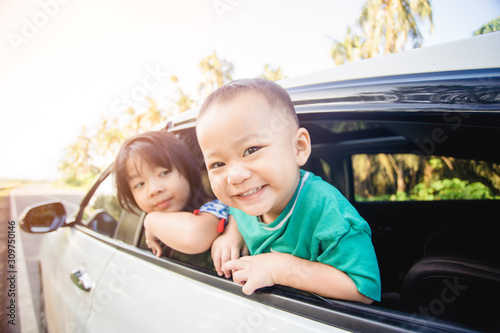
(157, 188)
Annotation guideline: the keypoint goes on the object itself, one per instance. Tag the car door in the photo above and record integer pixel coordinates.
(98, 276)
(139, 292)
(135, 291)
(72, 261)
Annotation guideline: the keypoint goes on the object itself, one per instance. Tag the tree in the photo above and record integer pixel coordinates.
(491, 26)
(77, 166)
(386, 26)
(153, 116)
(182, 101)
(90, 153)
(273, 74)
(141, 122)
(348, 50)
(109, 137)
(215, 73)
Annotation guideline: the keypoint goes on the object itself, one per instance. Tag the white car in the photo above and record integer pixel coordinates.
(431, 112)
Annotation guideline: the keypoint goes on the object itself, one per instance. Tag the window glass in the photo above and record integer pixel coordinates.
(404, 177)
(202, 260)
(103, 210)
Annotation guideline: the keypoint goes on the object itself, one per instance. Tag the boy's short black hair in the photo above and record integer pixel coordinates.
(275, 95)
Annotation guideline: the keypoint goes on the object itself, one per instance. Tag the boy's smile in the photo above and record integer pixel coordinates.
(253, 153)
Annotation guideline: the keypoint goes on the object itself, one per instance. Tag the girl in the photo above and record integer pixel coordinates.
(156, 173)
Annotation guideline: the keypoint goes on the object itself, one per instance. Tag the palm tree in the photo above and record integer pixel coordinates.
(152, 117)
(386, 26)
(273, 74)
(491, 26)
(109, 137)
(348, 50)
(77, 165)
(182, 100)
(215, 74)
(133, 126)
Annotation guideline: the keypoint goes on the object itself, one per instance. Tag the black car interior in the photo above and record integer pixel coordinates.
(439, 259)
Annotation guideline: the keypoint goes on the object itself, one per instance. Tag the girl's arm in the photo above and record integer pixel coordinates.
(153, 244)
(268, 269)
(183, 231)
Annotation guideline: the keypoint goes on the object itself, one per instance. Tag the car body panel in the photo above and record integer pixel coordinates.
(63, 251)
(171, 301)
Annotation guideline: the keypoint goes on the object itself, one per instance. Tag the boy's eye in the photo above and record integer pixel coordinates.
(216, 165)
(251, 150)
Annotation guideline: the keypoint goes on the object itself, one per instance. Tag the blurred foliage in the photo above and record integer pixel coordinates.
(215, 73)
(273, 74)
(403, 177)
(384, 27)
(109, 203)
(491, 26)
(92, 151)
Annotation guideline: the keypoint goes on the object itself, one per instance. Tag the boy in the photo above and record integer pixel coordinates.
(300, 231)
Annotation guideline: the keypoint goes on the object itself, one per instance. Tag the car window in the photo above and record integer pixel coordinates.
(103, 214)
(412, 177)
(202, 260)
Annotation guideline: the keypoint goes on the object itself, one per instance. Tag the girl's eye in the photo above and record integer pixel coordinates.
(138, 185)
(251, 150)
(164, 173)
(216, 165)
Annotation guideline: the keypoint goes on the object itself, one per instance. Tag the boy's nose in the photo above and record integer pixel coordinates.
(238, 174)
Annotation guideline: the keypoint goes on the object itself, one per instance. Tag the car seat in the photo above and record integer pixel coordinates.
(459, 289)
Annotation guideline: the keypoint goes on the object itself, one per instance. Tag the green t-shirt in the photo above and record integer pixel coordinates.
(318, 224)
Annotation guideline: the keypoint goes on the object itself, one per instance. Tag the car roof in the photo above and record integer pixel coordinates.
(471, 53)
(466, 59)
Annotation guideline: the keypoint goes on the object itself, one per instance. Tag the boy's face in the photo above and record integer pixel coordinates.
(156, 188)
(252, 154)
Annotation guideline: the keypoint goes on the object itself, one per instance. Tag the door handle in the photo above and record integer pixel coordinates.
(81, 279)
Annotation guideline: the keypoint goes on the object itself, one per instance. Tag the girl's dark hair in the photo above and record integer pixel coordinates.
(163, 149)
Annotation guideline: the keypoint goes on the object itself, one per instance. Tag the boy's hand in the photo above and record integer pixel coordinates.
(253, 272)
(227, 246)
(153, 244)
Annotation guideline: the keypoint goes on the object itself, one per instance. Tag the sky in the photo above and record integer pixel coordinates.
(65, 64)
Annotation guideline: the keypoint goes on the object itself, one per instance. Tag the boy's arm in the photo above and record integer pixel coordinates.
(268, 269)
(183, 231)
(227, 246)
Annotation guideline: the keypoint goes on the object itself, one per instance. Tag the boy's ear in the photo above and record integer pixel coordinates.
(302, 146)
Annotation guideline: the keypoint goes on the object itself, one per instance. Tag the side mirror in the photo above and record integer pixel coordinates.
(103, 223)
(44, 217)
